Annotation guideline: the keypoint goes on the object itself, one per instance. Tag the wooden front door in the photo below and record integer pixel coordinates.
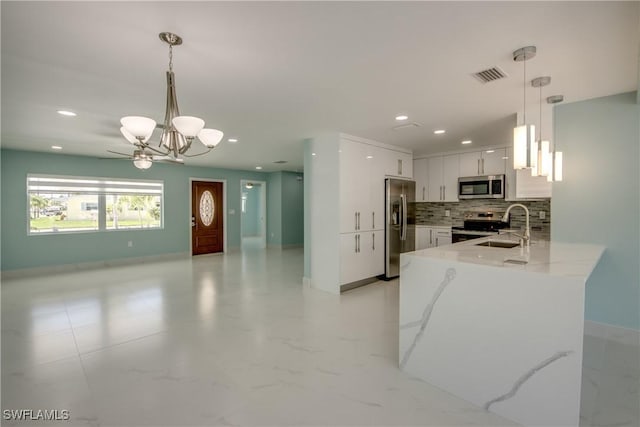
(207, 217)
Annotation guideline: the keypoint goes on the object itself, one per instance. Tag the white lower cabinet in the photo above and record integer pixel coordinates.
(431, 237)
(361, 255)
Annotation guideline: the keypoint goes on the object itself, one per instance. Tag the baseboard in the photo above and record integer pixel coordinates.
(614, 333)
(90, 265)
(271, 246)
(357, 284)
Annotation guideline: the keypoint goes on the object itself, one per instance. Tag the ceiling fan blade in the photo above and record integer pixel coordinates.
(121, 154)
(170, 160)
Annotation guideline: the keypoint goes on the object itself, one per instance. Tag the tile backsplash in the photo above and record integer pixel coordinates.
(433, 213)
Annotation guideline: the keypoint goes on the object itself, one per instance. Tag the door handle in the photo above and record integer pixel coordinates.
(193, 221)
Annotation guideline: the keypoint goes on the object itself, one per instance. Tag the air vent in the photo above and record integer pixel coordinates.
(490, 75)
(279, 162)
(407, 126)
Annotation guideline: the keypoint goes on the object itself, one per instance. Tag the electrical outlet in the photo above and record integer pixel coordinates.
(543, 214)
(447, 212)
(130, 243)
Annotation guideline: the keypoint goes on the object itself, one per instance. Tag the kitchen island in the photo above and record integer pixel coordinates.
(499, 327)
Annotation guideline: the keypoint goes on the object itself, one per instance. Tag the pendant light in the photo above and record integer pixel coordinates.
(556, 156)
(544, 164)
(524, 143)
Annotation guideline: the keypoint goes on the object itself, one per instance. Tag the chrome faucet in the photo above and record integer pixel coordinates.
(526, 238)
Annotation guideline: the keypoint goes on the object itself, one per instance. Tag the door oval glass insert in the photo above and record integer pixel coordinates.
(206, 208)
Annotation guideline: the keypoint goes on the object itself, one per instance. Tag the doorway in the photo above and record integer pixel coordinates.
(207, 217)
(253, 213)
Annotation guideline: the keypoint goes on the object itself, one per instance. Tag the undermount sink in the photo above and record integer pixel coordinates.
(496, 244)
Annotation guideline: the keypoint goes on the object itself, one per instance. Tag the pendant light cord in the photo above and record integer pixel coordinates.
(524, 90)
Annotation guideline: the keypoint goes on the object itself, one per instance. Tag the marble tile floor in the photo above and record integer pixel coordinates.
(234, 340)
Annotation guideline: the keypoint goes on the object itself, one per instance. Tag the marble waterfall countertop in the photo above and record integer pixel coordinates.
(541, 256)
(501, 328)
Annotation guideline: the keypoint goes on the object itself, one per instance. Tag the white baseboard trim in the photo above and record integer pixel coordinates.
(614, 333)
(91, 265)
(270, 246)
(306, 282)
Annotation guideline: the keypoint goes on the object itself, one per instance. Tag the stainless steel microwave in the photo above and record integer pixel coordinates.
(481, 187)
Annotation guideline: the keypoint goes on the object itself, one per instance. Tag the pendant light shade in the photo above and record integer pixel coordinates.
(210, 137)
(523, 141)
(188, 126)
(132, 139)
(545, 160)
(140, 127)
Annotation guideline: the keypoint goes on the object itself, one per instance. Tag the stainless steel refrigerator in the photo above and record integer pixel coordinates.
(400, 223)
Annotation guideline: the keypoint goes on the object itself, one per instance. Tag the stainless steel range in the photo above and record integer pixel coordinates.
(478, 224)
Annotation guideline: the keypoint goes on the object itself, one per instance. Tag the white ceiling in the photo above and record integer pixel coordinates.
(273, 74)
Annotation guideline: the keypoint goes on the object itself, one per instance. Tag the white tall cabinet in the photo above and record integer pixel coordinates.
(442, 177)
(344, 210)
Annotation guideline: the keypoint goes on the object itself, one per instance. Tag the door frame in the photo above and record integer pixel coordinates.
(263, 206)
(224, 210)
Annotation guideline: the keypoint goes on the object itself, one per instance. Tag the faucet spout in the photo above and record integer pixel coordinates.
(527, 231)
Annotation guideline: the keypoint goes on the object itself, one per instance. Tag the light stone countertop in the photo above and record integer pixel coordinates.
(542, 256)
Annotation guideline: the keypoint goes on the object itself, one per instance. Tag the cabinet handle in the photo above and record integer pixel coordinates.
(373, 220)
(482, 161)
(374, 241)
(436, 242)
(358, 228)
(430, 237)
(478, 161)
(355, 220)
(358, 243)
(399, 167)
(444, 192)
(423, 193)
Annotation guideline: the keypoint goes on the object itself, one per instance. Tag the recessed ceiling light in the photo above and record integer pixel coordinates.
(258, 167)
(505, 158)
(232, 140)
(490, 151)
(67, 113)
(401, 117)
(439, 131)
(56, 147)
(313, 154)
(468, 141)
(369, 157)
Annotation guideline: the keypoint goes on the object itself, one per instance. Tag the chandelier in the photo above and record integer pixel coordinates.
(178, 132)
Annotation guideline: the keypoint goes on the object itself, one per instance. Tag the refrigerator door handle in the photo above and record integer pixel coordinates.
(403, 225)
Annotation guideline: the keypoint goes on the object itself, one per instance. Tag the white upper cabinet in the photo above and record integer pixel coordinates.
(442, 177)
(493, 162)
(354, 189)
(420, 175)
(488, 162)
(398, 163)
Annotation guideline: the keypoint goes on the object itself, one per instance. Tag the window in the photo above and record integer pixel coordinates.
(60, 204)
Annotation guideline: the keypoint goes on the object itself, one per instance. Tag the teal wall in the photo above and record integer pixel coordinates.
(598, 200)
(274, 209)
(292, 209)
(251, 216)
(22, 251)
(285, 209)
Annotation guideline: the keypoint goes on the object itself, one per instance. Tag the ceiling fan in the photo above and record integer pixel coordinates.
(143, 159)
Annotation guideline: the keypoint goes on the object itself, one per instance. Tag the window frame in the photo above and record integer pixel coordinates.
(102, 195)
